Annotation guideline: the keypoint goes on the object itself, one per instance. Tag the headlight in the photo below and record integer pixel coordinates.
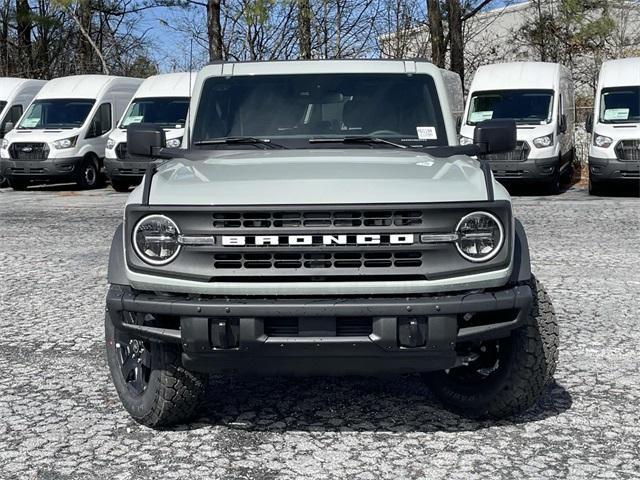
(480, 236)
(602, 141)
(111, 143)
(174, 143)
(465, 140)
(65, 143)
(5, 144)
(155, 239)
(542, 142)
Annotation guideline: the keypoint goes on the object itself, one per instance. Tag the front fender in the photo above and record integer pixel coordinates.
(521, 261)
(116, 274)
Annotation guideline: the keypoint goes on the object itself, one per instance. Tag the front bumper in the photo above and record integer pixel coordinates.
(125, 169)
(535, 169)
(414, 334)
(608, 169)
(52, 169)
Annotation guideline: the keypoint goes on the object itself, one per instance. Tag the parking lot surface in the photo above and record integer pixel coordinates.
(60, 417)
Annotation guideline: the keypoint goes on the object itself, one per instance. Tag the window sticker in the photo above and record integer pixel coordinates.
(427, 133)
(616, 114)
(134, 119)
(480, 116)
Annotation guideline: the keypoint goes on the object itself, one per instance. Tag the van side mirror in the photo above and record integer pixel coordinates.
(145, 140)
(588, 124)
(458, 124)
(495, 136)
(562, 125)
(8, 127)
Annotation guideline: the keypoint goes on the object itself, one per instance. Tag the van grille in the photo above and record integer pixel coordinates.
(29, 151)
(628, 150)
(520, 154)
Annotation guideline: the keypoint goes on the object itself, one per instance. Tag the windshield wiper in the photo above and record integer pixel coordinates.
(240, 140)
(356, 139)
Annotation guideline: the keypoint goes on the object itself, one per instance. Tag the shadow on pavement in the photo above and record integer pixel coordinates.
(347, 404)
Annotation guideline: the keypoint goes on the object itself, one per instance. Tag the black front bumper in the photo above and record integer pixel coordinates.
(606, 169)
(53, 169)
(127, 170)
(538, 169)
(415, 334)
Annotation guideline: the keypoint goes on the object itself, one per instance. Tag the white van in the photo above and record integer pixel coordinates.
(614, 151)
(162, 100)
(62, 135)
(15, 95)
(539, 96)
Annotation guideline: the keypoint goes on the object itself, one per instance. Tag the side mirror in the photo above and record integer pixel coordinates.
(588, 124)
(495, 136)
(8, 127)
(562, 125)
(458, 124)
(145, 140)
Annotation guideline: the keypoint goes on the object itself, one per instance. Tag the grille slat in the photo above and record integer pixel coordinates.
(628, 150)
(29, 151)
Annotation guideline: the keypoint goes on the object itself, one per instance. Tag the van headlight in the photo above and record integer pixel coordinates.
(543, 142)
(480, 236)
(155, 239)
(602, 141)
(5, 144)
(65, 143)
(174, 143)
(111, 143)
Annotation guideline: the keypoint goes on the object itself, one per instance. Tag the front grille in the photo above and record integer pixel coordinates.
(318, 219)
(318, 260)
(313, 327)
(520, 154)
(628, 150)
(29, 151)
(121, 150)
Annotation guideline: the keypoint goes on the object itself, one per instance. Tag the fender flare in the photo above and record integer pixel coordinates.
(116, 273)
(521, 260)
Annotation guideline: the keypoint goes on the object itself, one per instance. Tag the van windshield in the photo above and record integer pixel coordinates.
(58, 113)
(620, 105)
(524, 106)
(168, 112)
(298, 110)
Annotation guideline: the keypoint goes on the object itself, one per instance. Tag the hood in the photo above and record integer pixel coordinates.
(301, 177)
(49, 135)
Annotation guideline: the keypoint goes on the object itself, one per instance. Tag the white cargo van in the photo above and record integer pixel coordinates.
(63, 133)
(15, 95)
(161, 100)
(539, 96)
(614, 151)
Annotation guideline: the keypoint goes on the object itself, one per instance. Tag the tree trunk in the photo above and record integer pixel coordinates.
(24, 27)
(4, 39)
(436, 32)
(455, 35)
(85, 49)
(304, 28)
(214, 31)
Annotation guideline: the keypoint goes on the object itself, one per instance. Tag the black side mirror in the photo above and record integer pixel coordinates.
(588, 124)
(145, 140)
(495, 136)
(458, 124)
(562, 125)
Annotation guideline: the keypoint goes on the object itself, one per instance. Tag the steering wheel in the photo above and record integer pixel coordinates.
(389, 133)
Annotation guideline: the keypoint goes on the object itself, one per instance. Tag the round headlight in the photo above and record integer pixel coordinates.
(480, 236)
(155, 239)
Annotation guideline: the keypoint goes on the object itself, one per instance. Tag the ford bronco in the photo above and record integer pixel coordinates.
(321, 218)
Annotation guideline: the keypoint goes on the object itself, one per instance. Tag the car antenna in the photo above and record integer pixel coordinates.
(152, 167)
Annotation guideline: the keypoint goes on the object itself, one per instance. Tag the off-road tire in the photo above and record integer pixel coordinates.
(18, 184)
(173, 393)
(524, 377)
(120, 185)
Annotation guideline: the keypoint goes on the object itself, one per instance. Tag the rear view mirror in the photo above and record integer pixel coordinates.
(495, 136)
(145, 140)
(588, 124)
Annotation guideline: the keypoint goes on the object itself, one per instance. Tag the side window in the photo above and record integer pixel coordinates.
(101, 122)
(13, 115)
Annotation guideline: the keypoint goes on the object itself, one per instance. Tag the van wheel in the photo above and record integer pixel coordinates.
(153, 386)
(89, 175)
(506, 376)
(553, 186)
(3, 181)
(567, 175)
(18, 184)
(120, 185)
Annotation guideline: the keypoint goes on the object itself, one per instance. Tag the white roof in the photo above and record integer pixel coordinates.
(623, 72)
(9, 84)
(516, 75)
(82, 86)
(167, 85)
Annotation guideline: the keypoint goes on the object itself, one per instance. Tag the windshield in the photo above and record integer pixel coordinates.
(165, 112)
(294, 109)
(620, 105)
(523, 106)
(58, 113)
